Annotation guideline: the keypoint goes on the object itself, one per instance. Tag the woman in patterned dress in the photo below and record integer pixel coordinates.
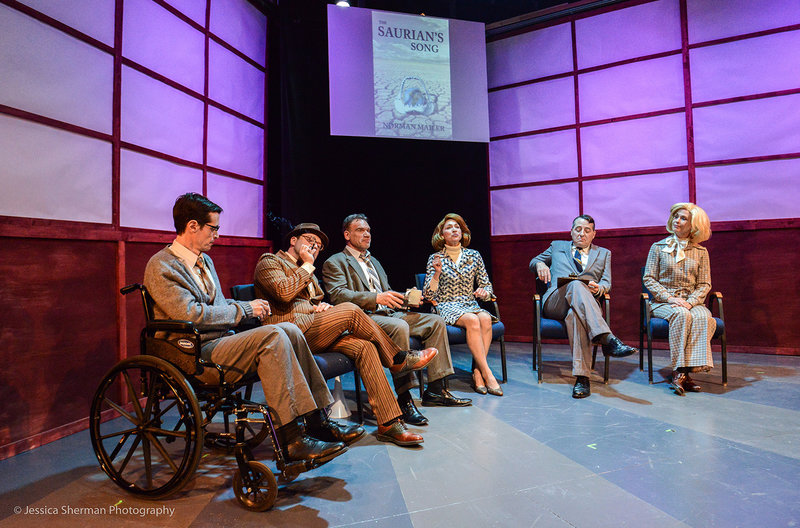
(451, 275)
(678, 275)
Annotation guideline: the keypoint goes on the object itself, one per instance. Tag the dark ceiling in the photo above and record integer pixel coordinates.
(486, 11)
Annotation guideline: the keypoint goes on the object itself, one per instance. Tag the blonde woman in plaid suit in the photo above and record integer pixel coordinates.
(452, 274)
(678, 275)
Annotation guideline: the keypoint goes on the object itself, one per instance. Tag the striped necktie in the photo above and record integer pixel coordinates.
(206, 278)
(578, 262)
(374, 280)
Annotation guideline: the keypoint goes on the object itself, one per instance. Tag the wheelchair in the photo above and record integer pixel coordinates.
(153, 413)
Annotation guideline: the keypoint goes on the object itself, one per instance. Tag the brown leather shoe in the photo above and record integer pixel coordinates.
(414, 361)
(398, 434)
(677, 383)
(689, 385)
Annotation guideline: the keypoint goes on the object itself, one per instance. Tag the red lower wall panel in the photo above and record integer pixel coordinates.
(60, 322)
(753, 269)
(59, 332)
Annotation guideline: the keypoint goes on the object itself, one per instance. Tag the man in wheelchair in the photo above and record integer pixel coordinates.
(184, 286)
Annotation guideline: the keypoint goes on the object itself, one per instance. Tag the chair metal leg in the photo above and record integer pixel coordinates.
(605, 370)
(359, 404)
(539, 360)
(594, 356)
(649, 357)
(724, 361)
(641, 350)
(421, 382)
(503, 358)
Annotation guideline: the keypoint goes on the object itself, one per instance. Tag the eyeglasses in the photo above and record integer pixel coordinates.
(313, 241)
(213, 227)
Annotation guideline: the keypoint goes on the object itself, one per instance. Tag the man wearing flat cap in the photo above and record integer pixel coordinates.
(287, 280)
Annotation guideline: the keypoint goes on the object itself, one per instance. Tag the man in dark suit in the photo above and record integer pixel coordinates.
(575, 302)
(287, 280)
(355, 276)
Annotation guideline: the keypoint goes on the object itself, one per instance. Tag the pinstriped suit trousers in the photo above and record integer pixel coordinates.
(366, 344)
(690, 333)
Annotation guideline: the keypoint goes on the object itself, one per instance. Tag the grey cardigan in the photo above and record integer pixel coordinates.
(177, 296)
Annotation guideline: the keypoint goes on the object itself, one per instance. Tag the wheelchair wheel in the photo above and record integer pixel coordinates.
(257, 489)
(151, 440)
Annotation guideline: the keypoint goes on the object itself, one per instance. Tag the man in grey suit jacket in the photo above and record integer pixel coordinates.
(575, 302)
(184, 285)
(356, 276)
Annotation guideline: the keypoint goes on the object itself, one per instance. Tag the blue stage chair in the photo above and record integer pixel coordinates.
(557, 329)
(657, 328)
(458, 336)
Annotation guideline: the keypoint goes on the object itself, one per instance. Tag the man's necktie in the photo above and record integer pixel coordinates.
(578, 263)
(206, 278)
(374, 280)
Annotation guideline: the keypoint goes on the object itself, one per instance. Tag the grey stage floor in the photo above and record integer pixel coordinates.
(632, 454)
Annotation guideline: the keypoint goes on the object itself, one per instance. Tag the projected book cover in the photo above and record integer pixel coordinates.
(411, 65)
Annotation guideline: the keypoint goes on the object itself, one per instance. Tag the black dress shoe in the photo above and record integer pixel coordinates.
(411, 414)
(330, 431)
(443, 399)
(616, 348)
(304, 447)
(581, 388)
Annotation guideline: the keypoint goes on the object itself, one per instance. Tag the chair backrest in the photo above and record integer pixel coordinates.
(420, 280)
(243, 292)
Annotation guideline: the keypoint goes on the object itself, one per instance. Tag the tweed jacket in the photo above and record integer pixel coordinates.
(559, 258)
(177, 296)
(689, 279)
(345, 281)
(285, 285)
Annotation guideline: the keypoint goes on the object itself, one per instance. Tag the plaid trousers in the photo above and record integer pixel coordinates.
(690, 334)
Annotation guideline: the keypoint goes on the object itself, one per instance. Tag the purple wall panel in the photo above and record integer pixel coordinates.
(530, 55)
(242, 203)
(45, 71)
(540, 157)
(744, 67)
(634, 201)
(633, 32)
(157, 39)
(637, 144)
(194, 9)
(761, 127)
(632, 88)
(235, 145)
(235, 83)
(148, 188)
(539, 209)
(161, 118)
(747, 191)
(532, 107)
(243, 26)
(92, 17)
(51, 173)
(715, 19)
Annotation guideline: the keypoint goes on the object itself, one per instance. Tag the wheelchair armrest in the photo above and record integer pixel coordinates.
(164, 325)
(716, 298)
(130, 288)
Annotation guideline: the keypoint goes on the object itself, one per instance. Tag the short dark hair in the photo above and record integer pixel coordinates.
(349, 219)
(584, 217)
(192, 206)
